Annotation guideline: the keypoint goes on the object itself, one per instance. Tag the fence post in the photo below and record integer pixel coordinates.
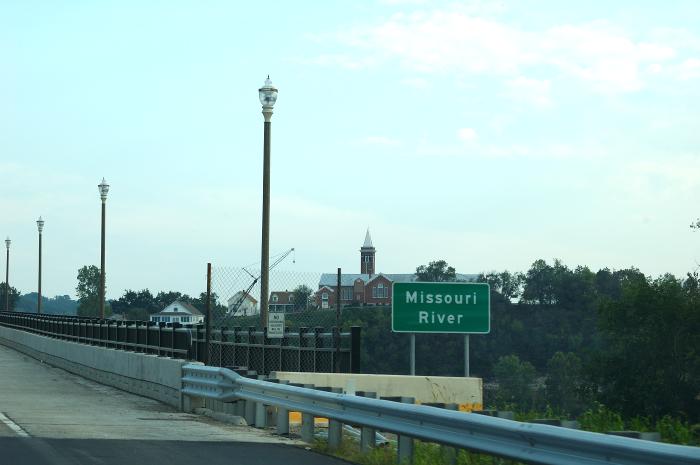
(337, 324)
(355, 341)
(208, 317)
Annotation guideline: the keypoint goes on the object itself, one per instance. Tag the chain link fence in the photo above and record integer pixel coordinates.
(314, 338)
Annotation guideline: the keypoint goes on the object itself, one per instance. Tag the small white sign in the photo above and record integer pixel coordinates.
(275, 325)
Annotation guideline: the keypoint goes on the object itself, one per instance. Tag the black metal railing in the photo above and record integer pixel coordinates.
(308, 350)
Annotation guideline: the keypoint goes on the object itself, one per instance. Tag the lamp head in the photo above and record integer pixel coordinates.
(268, 94)
(40, 225)
(7, 242)
(104, 188)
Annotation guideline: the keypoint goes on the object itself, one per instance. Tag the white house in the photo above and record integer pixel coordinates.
(179, 312)
(242, 304)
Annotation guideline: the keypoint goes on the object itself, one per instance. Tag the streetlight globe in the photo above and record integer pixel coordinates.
(104, 188)
(7, 242)
(40, 225)
(268, 94)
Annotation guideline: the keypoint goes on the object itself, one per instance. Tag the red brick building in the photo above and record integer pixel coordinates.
(365, 288)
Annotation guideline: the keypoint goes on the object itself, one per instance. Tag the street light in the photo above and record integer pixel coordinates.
(104, 188)
(40, 227)
(268, 97)
(7, 275)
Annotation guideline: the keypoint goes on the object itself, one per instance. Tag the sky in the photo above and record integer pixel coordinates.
(486, 133)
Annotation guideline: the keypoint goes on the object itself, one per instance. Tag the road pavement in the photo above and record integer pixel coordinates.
(51, 417)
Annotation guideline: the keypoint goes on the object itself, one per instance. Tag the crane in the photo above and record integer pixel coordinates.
(234, 308)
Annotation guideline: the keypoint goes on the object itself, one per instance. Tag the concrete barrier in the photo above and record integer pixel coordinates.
(467, 393)
(147, 375)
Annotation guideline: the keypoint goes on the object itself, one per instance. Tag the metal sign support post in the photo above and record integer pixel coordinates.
(413, 354)
(466, 355)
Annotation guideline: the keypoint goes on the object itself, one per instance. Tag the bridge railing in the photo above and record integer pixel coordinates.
(308, 350)
(526, 442)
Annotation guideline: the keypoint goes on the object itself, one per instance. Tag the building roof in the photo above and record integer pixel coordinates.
(348, 279)
(191, 309)
(245, 295)
(283, 297)
(368, 241)
(175, 314)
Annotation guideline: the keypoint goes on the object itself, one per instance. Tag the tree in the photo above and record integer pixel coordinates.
(696, 224)
(649, 364)
(508, 284)
(564, 382)
(302, 294)
(515, 379)
(14, 297)
(435, 272)
(88, 291)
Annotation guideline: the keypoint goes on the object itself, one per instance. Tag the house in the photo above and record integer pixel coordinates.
(365, 288)
(179, 312)
(282, 302)
(242, 304)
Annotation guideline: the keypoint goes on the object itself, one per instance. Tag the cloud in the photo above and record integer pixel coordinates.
(416, 82)
(531, 91)
(380, 140)
(456, 41)
(689, 69)
(466, 134)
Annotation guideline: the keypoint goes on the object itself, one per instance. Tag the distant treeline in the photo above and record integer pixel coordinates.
(59, 305)
(565, 338)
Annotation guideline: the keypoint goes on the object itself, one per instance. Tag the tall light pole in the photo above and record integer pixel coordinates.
(40, 227)
(104, 188)
(7, 275)
(268, 97)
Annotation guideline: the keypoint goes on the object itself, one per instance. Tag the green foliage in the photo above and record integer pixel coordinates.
(515, 380)
(302, 295)
(601, 419)
(676, 431)
(58, 305)
(88, 291)
(507, 284)
(564, 382)
(13, 297)
(650, 363)
(435, 272)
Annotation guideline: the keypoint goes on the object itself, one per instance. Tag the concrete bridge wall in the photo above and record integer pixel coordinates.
(147, 375)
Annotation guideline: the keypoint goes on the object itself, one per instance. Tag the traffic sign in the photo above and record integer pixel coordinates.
(275, 325)
(419, 307)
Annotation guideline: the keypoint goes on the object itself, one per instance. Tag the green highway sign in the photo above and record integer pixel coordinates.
(441, 308)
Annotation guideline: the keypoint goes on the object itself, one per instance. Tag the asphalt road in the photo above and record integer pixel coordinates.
(40, 451)
(51, 417)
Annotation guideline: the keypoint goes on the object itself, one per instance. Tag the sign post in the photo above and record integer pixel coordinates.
(451, 308)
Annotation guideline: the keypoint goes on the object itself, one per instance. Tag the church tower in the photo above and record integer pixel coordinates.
(367, 256)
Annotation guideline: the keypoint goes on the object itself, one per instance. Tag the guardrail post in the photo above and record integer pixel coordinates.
(405, 443)
(368, 436)
(282, 420)
(260, 411)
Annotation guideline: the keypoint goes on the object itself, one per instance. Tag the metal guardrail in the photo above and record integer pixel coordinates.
(527, 442)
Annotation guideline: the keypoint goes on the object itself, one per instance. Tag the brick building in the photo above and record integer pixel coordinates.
(367, 287)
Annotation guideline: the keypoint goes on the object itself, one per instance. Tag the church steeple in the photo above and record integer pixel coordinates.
(367, 256)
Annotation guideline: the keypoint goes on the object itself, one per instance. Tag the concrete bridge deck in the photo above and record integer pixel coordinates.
(49, 416)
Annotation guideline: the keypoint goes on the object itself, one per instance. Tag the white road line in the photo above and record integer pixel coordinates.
(13, 426)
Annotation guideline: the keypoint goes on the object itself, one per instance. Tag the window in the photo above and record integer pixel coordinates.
(166, 319)
(185, 319)
(274, 298)
(345, 293)
(368, 258)
(324, 296)
(380, 291)
(291, 297)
